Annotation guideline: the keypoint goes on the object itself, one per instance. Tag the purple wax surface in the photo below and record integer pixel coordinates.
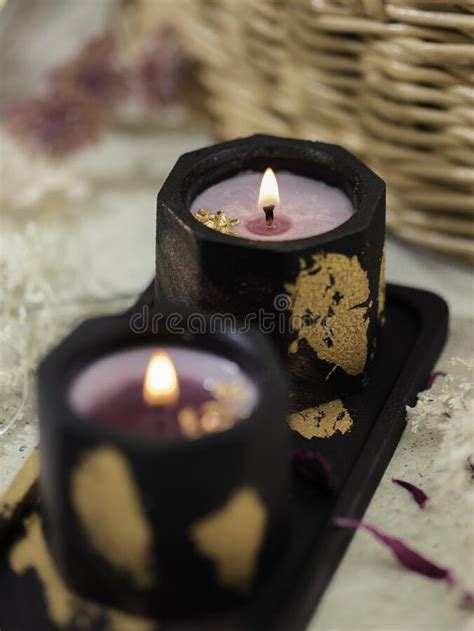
(310, 206)
(127, 409)
(110, 390)
(258, 226)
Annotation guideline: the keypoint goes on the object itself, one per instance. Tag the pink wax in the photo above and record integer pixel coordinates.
(110, 391)
(308, 207)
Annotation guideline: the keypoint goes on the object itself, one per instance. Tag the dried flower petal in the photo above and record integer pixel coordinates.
(418, 494)
(217, 221)
(160, 72)
(406, 555)
(56, 124)
(312, 467)
(432, 378)
(93, 72)
(470, 465)
(467, 599)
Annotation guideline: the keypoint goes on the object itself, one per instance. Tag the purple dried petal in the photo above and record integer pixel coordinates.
(406, 555)
(57, 123)
(313, 467)
(93, 72)
(470, 464)
(418, 494)
(467, 599)
(162, 70)
(432, 378)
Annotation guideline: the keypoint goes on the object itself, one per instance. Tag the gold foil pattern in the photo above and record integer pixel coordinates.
(231, 537)
(63, 607)
(217, 221)
(22, 488)
(109, 509)
(330, 310)
(210, 417)
(322, 421)
(382, 288)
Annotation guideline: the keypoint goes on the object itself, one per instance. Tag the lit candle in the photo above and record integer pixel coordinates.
(129, 501)
(275, 207)
(169, 392)
(308, 266)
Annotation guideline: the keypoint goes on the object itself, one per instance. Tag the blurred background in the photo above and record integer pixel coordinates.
(98, 98)
(389, 80)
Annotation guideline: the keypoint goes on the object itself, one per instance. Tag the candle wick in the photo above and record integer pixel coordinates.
(268, 210)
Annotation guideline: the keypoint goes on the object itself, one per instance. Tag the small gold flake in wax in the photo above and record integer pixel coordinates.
(211, 417)
(215, 417)
(217, 221)
(189, 422)
(229, 391)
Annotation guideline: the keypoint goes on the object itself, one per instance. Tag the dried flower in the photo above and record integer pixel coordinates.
(413, 560)
(94, 72)
(418, 494)
(57, 123)
(432, 378)
(217, 221)
(436, 406)
(448, 407)
(470, 466)
(160, 72)
(27, 179)
(408, 557)
(313, 468)
(38, 306)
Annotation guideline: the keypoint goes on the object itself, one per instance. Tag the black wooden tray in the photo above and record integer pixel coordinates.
(411, 341)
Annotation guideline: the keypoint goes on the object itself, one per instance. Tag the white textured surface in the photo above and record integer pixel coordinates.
(408, 265)
(102, 248)
(371, 591)
(111, 239)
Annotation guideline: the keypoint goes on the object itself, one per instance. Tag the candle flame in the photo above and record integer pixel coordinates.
(161, 382)
(269, 193)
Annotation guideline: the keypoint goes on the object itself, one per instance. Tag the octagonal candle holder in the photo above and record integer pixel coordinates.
(319, 295)
(163, 510)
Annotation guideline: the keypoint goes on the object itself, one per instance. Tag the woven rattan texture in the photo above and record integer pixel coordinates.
(390, 80)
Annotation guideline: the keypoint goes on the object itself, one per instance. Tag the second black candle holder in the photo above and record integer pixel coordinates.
(322, 296)
(409, 345)
(151, 525)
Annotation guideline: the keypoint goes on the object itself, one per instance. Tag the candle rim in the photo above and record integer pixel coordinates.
(99, 336)
(138, 358)
(281, 176)
(219, 162)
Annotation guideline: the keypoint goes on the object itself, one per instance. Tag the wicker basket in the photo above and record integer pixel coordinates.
(390, 80)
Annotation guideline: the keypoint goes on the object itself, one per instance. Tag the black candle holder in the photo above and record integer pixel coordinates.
(324, 295)
(160, 527)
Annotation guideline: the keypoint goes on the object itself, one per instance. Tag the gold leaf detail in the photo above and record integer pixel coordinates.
(31, 551)
(232, 392)
(210, 417)
(322, 421)
(109, 509)
(62, 605)
(232, 537)
(217, 221)
(381, 293)
(330, 304)
(22, 489)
